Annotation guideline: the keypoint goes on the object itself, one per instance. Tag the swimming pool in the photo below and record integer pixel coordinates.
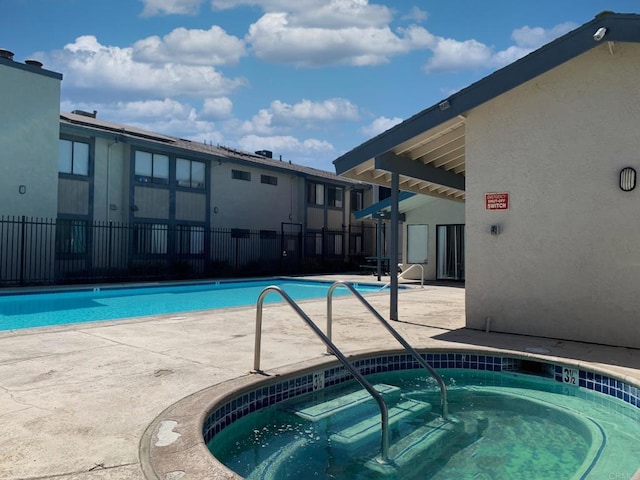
(511, 417)
(110, 303)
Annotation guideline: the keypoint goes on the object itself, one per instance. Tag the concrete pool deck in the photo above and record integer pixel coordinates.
(75, 401)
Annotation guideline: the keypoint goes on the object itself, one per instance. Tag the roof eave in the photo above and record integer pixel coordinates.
(620, 28)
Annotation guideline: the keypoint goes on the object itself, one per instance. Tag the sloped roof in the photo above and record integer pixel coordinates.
(428, 149)
(121, 131)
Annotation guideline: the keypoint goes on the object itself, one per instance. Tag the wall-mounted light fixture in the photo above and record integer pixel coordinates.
(627, 179)
(600, 33)
(22, 189)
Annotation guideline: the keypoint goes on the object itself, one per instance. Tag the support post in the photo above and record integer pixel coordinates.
(393, 255)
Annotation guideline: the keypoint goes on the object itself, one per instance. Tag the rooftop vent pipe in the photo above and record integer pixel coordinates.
(4, 53)
(34, 63)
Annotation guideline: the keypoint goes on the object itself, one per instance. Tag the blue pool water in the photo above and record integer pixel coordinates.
(502, 425)
(89, 305)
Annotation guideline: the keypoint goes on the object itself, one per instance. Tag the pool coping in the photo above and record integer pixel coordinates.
(173, 446)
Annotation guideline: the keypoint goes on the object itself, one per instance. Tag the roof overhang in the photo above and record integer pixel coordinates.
(427, 151)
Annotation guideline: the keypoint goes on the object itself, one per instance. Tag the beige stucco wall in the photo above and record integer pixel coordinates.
(567, 261)
(111, 173)
(252, 205)
(29, 142)
(436, 211)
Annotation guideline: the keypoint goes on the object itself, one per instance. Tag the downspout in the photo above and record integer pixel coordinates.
(108, 177)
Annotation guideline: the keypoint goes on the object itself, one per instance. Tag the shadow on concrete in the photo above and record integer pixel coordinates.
(571, 350)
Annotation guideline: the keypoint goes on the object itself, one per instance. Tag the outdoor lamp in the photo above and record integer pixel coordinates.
(627, 179)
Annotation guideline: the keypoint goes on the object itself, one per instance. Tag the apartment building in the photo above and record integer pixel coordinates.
(100, 196)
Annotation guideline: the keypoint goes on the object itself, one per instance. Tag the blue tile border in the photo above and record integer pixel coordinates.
(227, 413)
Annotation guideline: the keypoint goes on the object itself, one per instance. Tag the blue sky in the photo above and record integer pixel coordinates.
(306, 79)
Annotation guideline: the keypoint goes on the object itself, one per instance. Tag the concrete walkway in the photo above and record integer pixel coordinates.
(74, 401)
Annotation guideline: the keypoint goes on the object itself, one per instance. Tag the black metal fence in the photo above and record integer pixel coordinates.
(35, 251)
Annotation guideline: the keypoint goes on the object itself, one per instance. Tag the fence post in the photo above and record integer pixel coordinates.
(23, 241)
(109, 245)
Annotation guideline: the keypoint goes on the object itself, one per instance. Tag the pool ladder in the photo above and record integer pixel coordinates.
(332, 349)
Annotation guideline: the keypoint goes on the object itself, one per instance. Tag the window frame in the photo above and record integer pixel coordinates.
(241, 175)
(269, 179)
(72, 161)
(153, 178)
(191, 183)
(66, 241)
(357, 200)
(190, 240)
(332, 196)
(149, 241)
(315, 194)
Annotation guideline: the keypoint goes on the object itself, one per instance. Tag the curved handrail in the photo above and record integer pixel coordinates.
(396, 335)
(384, 412)
(410, 267)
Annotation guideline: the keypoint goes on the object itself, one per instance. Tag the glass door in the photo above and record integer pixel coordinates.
(450, 252)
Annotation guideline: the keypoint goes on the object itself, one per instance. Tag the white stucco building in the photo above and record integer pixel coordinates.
(29, 140)
(537, 151)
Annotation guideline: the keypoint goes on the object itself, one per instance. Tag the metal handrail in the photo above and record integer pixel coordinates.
(384, 412)
(402, 273)
(396, 335)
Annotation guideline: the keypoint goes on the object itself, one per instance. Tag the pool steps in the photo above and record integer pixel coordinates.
(352, 424)
(313, 411)
(422, 445)
(366, 432)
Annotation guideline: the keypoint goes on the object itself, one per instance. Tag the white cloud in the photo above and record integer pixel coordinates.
(379, 125)
(311, 152)
(327, 110)
(192, 47)
(305, 114)
(89, 65)
(450, 55)
(170, 7)
(532, 38)
(416, 15)
(273, 38)
(219, 107)
(260, 123)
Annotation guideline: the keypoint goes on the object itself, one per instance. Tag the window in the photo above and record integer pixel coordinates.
(268, 234)
(383, 192)
(315, 193)
(357, 197)
(240, 233)
(190, 240)
(73, 157)
(417, 243)
(334, 243)
(152, 168)
(150, 238)
(335, 197)
(190, 174)
(317, 243)
(241, 175)
(268, 179)
(71, 236)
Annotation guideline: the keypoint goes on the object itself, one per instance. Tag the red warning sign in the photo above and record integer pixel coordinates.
(496, 201)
